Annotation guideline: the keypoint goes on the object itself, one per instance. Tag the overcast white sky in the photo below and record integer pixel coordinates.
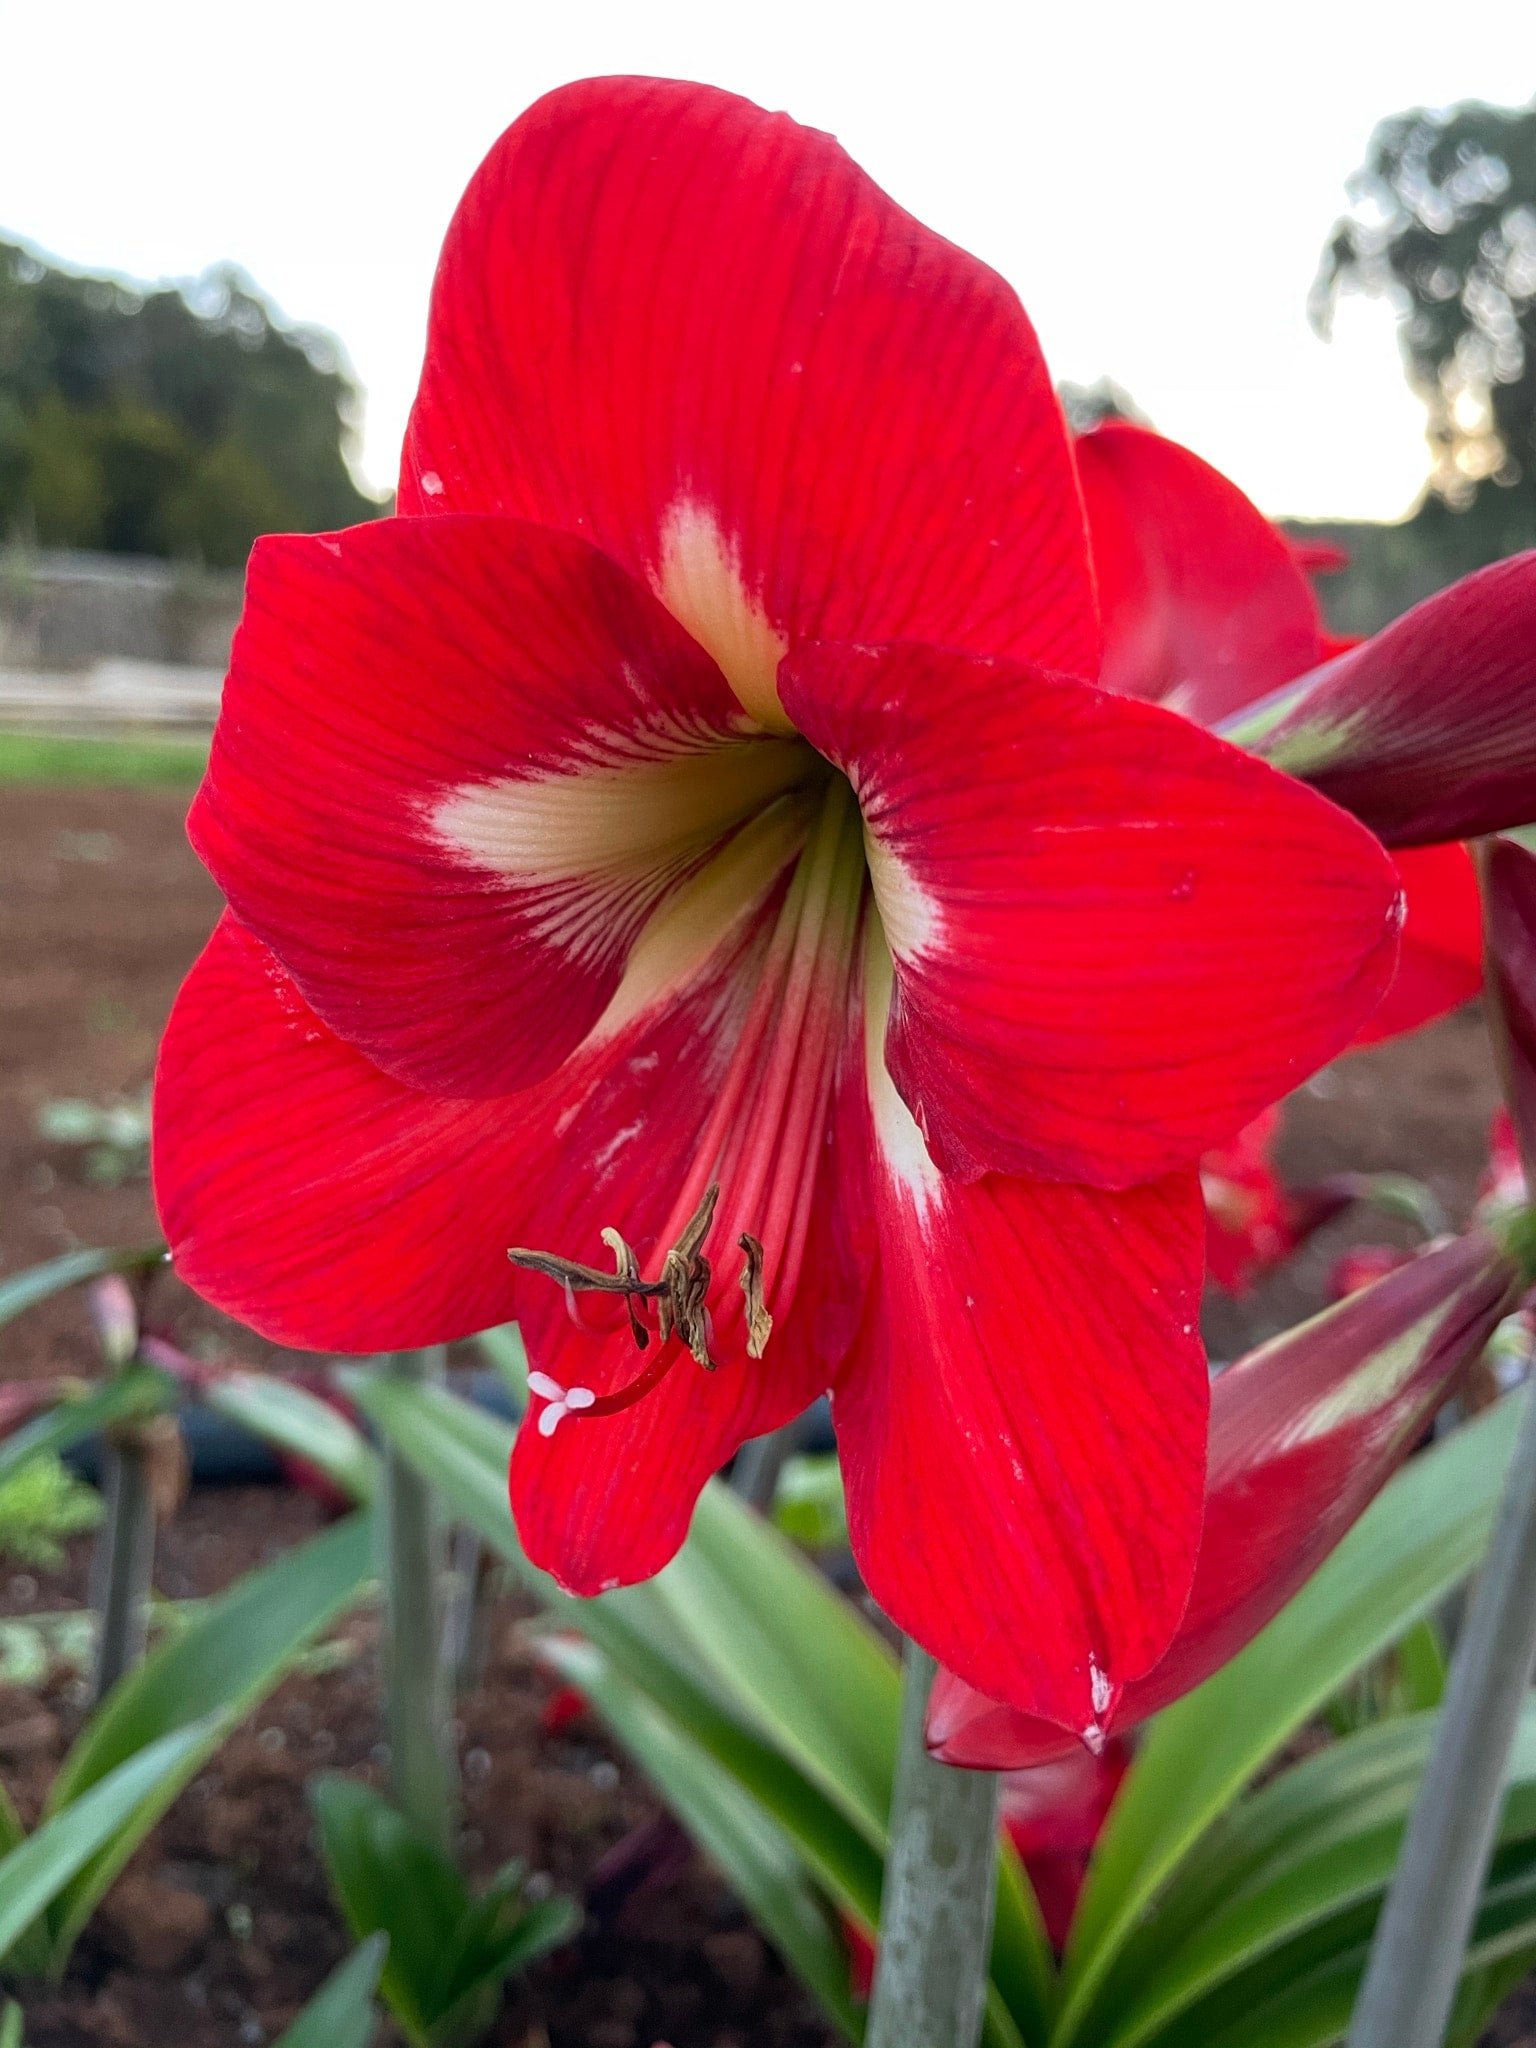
(1155, 179)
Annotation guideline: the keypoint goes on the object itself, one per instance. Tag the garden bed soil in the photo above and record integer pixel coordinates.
(223, 1926)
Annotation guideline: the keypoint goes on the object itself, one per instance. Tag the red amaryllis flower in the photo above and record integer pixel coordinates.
(1304, 1433)
(591, 847)
(1253, 1221)
(1053, 1814)
(1248, 1224)
(1206, 608)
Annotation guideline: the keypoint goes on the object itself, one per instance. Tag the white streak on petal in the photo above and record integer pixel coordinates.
(699, 580)
(913, 920)
(701, 914)
(592, 847)
(901, 1142)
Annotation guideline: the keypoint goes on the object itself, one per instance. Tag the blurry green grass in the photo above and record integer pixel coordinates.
(143, 763)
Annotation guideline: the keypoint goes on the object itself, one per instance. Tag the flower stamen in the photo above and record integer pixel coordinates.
(681, 1296)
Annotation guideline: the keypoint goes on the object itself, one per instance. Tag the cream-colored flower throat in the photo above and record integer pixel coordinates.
(761, 1142)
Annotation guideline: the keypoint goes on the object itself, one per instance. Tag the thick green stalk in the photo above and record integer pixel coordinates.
(1421, 1939)
(940, 1886)
(418, 1691)
(124, 1562)
(755, 1474)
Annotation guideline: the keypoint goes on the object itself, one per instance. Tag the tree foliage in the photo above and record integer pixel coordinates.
(1443, 224)
(163, 422)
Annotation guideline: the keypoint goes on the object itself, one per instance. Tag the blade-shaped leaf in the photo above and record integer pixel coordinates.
(40, 1869)
(210, 1675)
(733, 1830)
(26, 1289)
(127, 1396)
(298, 1421)
(1422, 1536)
(671, 1652)
(1303, 1996)
(390, 1881)
(341, 2014)
(481, 1973)
(503, 1348)
(1306, 1851)
(796, 1657)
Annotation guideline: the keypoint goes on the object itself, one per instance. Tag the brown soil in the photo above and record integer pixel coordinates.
(223, 1925)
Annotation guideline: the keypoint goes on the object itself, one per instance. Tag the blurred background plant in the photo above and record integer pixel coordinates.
(147, 421)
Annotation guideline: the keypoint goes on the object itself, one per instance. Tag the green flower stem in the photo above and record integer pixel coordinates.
(755, 1474)
(418, 1694)
(940, 1884)
(122, 1568)
(1421, 1939)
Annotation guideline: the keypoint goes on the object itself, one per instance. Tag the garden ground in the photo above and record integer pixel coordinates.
(223, 1925)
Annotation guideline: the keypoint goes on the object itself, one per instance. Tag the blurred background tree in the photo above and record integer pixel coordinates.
(163, 422)
(1443, 224)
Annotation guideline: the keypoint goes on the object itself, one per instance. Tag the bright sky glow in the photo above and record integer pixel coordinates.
(1156, 180)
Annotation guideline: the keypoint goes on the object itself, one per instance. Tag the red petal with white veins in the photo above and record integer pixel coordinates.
(698, 334)
(1116, 938)
(606, 1500)
(333, 1207)
(1510, 882)
(1203, 605)
(1305, 1432)
(1440, 964)
(1022, 1423)
(459, 764)
(1426, 731)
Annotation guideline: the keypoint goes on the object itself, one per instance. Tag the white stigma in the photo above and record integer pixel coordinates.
(559, 1401)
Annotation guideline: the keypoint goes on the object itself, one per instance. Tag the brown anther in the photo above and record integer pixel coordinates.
(627, 1268)
(680, 1294)
(759, 1322)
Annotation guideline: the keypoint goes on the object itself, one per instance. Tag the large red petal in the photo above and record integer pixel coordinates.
(333, 1207)
(1203, 604)
(1510, 880)
(1304, 1433)
(1116, 937)
(606, 1500)
(1022, 1424)
(1440, 964)
(459, 764)
(1426, 731)
(698, 334)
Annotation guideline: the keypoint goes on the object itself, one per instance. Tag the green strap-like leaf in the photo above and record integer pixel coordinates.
(295, 1420)
(1417, 1541)
(341, 2014)
(127, 1396)
(732, 1829)
(38, 1871)
(1302, 1855)
(671, 1651)
(797, 1657)
(26, 1289)
(210, 1676)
